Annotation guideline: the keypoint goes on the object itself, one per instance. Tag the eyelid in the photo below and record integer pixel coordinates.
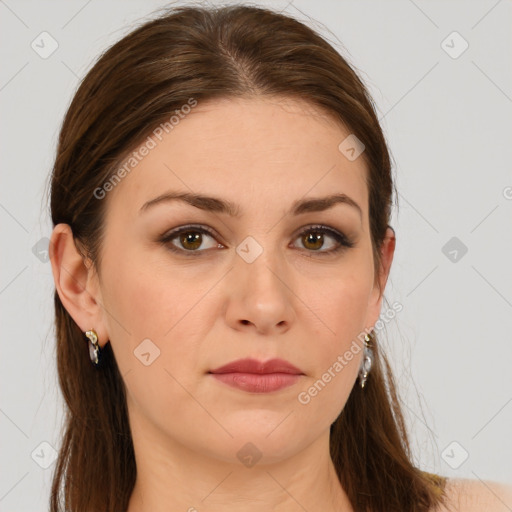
(166, 237)
(344, 241)
(190, 227)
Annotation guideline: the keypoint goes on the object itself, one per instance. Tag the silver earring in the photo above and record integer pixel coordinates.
(367, 361)
(94, 348)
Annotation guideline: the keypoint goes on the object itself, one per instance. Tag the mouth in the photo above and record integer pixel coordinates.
(257, 376)
(257, 383)
(255, 366)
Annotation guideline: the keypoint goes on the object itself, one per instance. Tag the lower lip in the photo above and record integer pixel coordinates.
(258, 383)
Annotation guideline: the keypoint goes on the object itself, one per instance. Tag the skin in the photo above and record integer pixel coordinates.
(202, 312)
(466, 495)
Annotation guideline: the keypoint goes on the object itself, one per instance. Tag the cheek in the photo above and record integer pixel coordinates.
(143, 297)
(150, 337)
(146, 302)
(337, 351)
(340, 306)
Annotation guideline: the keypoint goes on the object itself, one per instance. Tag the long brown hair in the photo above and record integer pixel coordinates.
(207, 53)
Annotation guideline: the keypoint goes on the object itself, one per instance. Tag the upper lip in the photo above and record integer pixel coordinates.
(254, 366)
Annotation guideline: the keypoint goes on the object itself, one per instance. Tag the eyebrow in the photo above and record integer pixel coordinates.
(217, 205)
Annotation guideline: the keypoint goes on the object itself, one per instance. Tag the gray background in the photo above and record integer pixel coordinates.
(448, 122)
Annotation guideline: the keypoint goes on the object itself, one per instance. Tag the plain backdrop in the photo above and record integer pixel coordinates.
(441, 77)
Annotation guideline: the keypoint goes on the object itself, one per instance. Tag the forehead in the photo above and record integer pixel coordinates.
(258, 149)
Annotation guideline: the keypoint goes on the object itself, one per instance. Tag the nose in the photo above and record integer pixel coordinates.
(261, 298)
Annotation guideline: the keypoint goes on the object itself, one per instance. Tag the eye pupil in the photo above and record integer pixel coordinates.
(191, 237)
(314, 238)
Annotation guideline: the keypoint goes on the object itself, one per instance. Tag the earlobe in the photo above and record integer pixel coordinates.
(70, 274)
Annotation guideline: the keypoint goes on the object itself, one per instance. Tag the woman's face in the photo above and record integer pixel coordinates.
(174, 310)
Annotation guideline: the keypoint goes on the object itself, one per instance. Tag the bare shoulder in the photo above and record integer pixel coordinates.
(469, 495)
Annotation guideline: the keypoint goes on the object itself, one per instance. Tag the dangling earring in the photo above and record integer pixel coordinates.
(94, 348)
(367, 361)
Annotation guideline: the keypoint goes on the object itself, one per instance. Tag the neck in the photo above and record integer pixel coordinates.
(171, 476)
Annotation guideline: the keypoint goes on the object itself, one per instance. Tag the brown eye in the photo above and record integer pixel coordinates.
(314, 239)
(190, 240)
(193, 241)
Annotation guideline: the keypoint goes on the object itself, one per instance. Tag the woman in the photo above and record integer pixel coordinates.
(221, 200)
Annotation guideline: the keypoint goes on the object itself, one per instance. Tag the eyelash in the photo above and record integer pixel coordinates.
(167, 237)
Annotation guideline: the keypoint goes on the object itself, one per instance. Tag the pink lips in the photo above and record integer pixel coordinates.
(257, 376)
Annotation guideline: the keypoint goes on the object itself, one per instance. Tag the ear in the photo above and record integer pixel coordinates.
(76, 282)
(387, 252)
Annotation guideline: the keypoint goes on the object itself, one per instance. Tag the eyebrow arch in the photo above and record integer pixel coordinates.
(217, 205)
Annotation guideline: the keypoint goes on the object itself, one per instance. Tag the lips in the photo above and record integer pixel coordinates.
(258, 367)
(256, 376)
